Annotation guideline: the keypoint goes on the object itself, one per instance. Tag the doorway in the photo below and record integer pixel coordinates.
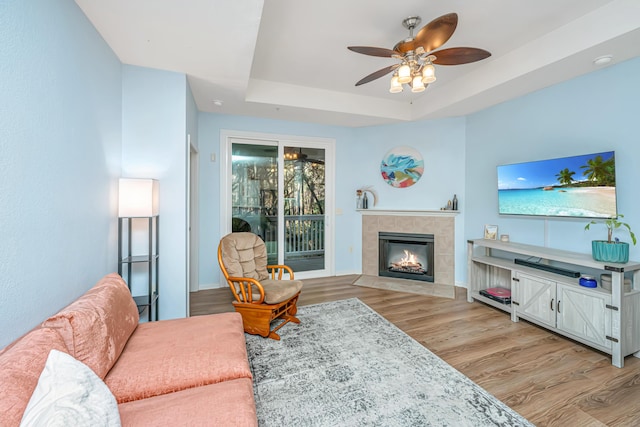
(282, 190)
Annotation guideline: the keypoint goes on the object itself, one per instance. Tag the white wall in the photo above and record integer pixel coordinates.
(60, 117)
(154, 145)
(593, 113)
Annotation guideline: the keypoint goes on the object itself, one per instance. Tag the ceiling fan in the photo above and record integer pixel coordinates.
(417, 55)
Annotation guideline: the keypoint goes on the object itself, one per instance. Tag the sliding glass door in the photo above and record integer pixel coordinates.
(304, 208)
(278, 190)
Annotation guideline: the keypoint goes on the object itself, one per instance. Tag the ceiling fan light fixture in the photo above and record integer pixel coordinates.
(396, 86)
(417, 85)
(428, 73)
(404, 74)
(415, 66)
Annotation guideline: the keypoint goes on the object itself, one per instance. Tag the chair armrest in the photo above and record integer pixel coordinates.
(243, 291)
(280, 269)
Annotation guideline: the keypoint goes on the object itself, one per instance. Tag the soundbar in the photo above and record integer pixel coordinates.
(549, 268)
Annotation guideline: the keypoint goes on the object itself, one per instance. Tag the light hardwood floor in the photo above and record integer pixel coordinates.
(550, 380)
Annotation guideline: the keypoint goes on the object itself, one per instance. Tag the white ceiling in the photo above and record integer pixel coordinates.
(288, 59)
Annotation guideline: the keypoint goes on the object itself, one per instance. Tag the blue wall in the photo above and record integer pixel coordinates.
(154, 138)
(72, 121)
(60, 145)
(593, 113)
(359, 152)
(209, 129)
(441, 144)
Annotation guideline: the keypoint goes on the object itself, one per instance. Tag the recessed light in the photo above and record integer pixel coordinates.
(217, 103)
(602, 60)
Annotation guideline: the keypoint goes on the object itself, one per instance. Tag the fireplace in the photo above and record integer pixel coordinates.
(406, 256)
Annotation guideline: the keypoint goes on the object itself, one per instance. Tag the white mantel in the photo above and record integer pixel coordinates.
(408, 212)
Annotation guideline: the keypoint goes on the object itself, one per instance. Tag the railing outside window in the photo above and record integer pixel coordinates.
(304, 234)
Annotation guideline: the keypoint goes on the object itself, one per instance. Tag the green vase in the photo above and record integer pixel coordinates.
(601, 250)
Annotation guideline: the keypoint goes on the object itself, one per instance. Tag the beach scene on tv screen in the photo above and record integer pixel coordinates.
(578, 186)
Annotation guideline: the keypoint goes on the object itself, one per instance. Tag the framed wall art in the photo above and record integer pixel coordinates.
(402, 167)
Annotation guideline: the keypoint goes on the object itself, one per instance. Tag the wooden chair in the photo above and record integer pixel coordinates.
(261, 295)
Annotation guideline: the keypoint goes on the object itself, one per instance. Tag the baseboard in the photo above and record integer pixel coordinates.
(206, 286)
(347, 272)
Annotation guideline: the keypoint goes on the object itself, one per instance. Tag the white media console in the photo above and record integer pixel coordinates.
(605, 320)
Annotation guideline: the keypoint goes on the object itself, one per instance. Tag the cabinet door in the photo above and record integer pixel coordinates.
(584, 314)
(537, 298)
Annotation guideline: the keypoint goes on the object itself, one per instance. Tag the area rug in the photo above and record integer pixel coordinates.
(345, 365)
(405, 285)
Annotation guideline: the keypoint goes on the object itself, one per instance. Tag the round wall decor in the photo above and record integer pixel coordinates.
(402, 167)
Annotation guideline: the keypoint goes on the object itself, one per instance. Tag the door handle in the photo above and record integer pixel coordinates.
(558, 306)
(551, 305)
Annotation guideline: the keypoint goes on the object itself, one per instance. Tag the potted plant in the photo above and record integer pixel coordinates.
(611, 250)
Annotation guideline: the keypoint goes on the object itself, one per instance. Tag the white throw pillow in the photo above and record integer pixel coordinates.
(69, 393)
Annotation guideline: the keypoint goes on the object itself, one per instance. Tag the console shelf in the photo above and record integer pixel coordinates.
(605, 320)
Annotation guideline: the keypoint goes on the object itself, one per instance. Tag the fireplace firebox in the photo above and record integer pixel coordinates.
(406, 256)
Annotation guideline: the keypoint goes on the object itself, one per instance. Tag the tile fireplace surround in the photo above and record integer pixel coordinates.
(439, 223)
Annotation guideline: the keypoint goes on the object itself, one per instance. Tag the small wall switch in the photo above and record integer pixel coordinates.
(213, 157)
(338, 211)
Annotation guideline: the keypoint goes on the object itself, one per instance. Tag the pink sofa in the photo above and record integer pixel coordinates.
(191, 371)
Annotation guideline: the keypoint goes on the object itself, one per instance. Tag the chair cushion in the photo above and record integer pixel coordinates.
(276, 291)
(244, 255)
(96, 326)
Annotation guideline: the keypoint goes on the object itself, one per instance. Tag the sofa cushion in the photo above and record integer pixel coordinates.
(229, 403)
(172, 355)
(20, 366)
(69, 393)
(96, 326)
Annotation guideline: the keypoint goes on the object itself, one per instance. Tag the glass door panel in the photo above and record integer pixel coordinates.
(304, 208)
(254, 193)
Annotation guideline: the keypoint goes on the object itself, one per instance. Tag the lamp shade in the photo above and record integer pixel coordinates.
(417, 85)
(137, 198)
(395, 85)
(428, 74)
(404, 74)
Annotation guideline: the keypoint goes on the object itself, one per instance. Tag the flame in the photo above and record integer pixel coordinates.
(409, 259)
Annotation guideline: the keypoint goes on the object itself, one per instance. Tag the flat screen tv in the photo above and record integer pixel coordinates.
(578, 186)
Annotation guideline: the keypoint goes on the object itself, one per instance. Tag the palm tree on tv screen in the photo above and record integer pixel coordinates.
(565, 176)
(599, 171)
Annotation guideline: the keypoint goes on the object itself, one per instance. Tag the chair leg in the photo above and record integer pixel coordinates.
(291, 318)
(273, 336)
(257, 319)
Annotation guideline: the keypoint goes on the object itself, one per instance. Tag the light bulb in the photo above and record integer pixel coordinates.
(396, 86)
(428, 73)
(404, 74)
(417, 85)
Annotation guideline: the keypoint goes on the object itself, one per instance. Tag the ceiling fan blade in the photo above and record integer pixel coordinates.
(404, 46)
(377, 74)
(437, 32)
(459, 55)
(374, 51)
